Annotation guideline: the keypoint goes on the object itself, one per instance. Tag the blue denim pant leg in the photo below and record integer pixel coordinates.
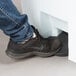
(13, 23)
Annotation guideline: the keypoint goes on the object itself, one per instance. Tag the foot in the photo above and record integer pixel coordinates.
(33, 46)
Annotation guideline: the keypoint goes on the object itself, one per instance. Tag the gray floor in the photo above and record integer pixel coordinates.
(53, 66)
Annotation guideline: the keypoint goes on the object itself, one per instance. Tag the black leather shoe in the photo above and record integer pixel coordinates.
(54, 44)
(34, 46)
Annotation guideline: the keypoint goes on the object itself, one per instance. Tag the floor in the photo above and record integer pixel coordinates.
(35, 66)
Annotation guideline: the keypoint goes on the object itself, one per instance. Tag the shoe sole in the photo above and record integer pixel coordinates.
(25, 55)
(61, 54)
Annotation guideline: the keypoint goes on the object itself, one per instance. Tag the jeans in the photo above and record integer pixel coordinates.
(13, 23)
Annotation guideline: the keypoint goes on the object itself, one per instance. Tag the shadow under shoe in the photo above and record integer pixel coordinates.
(64, 40)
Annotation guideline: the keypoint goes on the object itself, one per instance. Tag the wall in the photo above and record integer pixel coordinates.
(35, 8)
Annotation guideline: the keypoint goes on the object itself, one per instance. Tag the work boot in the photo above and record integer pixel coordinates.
(36, 45)
(55, 44)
